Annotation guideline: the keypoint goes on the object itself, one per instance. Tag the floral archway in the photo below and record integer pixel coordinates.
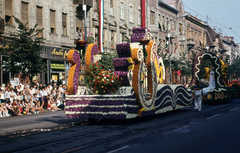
(216, 64)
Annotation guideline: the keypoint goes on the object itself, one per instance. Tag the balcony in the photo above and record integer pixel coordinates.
(87, 2)
(172, 34)
(1, 26)
(79, 9)
(190, 43)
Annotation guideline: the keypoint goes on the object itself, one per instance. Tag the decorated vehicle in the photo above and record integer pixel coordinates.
(221, 92)
(133, 90)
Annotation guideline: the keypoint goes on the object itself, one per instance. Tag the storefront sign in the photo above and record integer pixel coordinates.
(58, 66)
(59, 53)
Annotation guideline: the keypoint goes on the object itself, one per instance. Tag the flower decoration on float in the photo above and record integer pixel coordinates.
(92, 49)
(101, 81)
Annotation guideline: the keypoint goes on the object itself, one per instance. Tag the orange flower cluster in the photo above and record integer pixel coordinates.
(149, 66)
(234, 82)
(71, 72)
(135, 79)
(89, 54)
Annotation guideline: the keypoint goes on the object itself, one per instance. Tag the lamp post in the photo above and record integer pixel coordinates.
(169, 46)
(85, 19)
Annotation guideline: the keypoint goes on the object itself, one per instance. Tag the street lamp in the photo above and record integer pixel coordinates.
(169, 46)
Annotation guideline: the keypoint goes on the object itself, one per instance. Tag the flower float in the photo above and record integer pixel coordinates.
(132, 90)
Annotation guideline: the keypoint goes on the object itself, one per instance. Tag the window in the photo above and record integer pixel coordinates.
(96, 5)
(8, 12)
(152, 18)
(174, 25)
(39, 20)
(122, 10)
(52, 21)
(163, 23)
(131, 14)
(112, 38)
(24, 13)
(139, 16)
(180, 29)
(64, 24)
(111, 8)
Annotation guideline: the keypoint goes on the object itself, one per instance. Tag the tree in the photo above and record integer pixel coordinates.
(24, 50)
(106, 61)
(234, 68)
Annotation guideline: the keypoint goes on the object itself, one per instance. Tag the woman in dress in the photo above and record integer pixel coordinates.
(211, 85)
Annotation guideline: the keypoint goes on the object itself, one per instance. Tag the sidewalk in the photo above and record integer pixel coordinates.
(35, 122)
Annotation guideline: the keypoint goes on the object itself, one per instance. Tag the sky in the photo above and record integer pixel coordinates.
(224, 15)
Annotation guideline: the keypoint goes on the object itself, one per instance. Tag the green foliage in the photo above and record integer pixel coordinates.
(234, 69)
(24, 49)
(90, 39)
(125, 38)
(106, 61)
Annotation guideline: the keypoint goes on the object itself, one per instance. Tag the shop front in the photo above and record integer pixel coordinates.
(57, 65)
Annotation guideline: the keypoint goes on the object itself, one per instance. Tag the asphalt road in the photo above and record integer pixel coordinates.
(215, 129)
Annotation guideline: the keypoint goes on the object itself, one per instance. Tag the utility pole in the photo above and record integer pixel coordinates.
(85, 19)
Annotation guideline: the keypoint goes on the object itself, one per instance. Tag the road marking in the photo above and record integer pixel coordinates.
(234, 109)
(168, 132)
(213, 116)
(181, 128)
(118, 149)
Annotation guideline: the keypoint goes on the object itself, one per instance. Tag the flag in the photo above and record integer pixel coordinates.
(179, 73)
(176, 48)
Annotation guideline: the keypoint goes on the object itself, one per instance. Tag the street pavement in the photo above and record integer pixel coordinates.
(214, 129)
(34, 122)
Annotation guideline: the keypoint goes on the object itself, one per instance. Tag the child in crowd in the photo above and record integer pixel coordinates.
(2, 96)
(4, 110)
(1, 111)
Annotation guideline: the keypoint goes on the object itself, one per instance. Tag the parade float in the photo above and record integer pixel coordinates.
(133, 90)
(221, 92)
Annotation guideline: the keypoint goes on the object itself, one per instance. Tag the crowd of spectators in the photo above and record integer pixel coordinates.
(31, 99)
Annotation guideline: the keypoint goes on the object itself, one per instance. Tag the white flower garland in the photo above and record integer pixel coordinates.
(128, 115)
(165, 109)
(218, 67)
(102, 106)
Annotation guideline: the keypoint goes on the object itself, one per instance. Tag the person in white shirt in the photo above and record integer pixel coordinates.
(2, 96)
(12, 95)
(18, 97)
(7, 95)
(19, 88)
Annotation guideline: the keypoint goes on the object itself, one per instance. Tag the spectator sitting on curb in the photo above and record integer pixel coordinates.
(35, 99)
(2, 96)
(7, 95)
(1, 111)
(16, 108)
(10, 108)
(5, 110)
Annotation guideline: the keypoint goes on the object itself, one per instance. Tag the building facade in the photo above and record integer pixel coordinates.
(57, 19)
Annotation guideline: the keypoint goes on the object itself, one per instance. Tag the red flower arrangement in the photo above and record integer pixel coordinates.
(81, 43)
(100, 81)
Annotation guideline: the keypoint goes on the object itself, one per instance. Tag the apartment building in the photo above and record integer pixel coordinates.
(57, 19)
